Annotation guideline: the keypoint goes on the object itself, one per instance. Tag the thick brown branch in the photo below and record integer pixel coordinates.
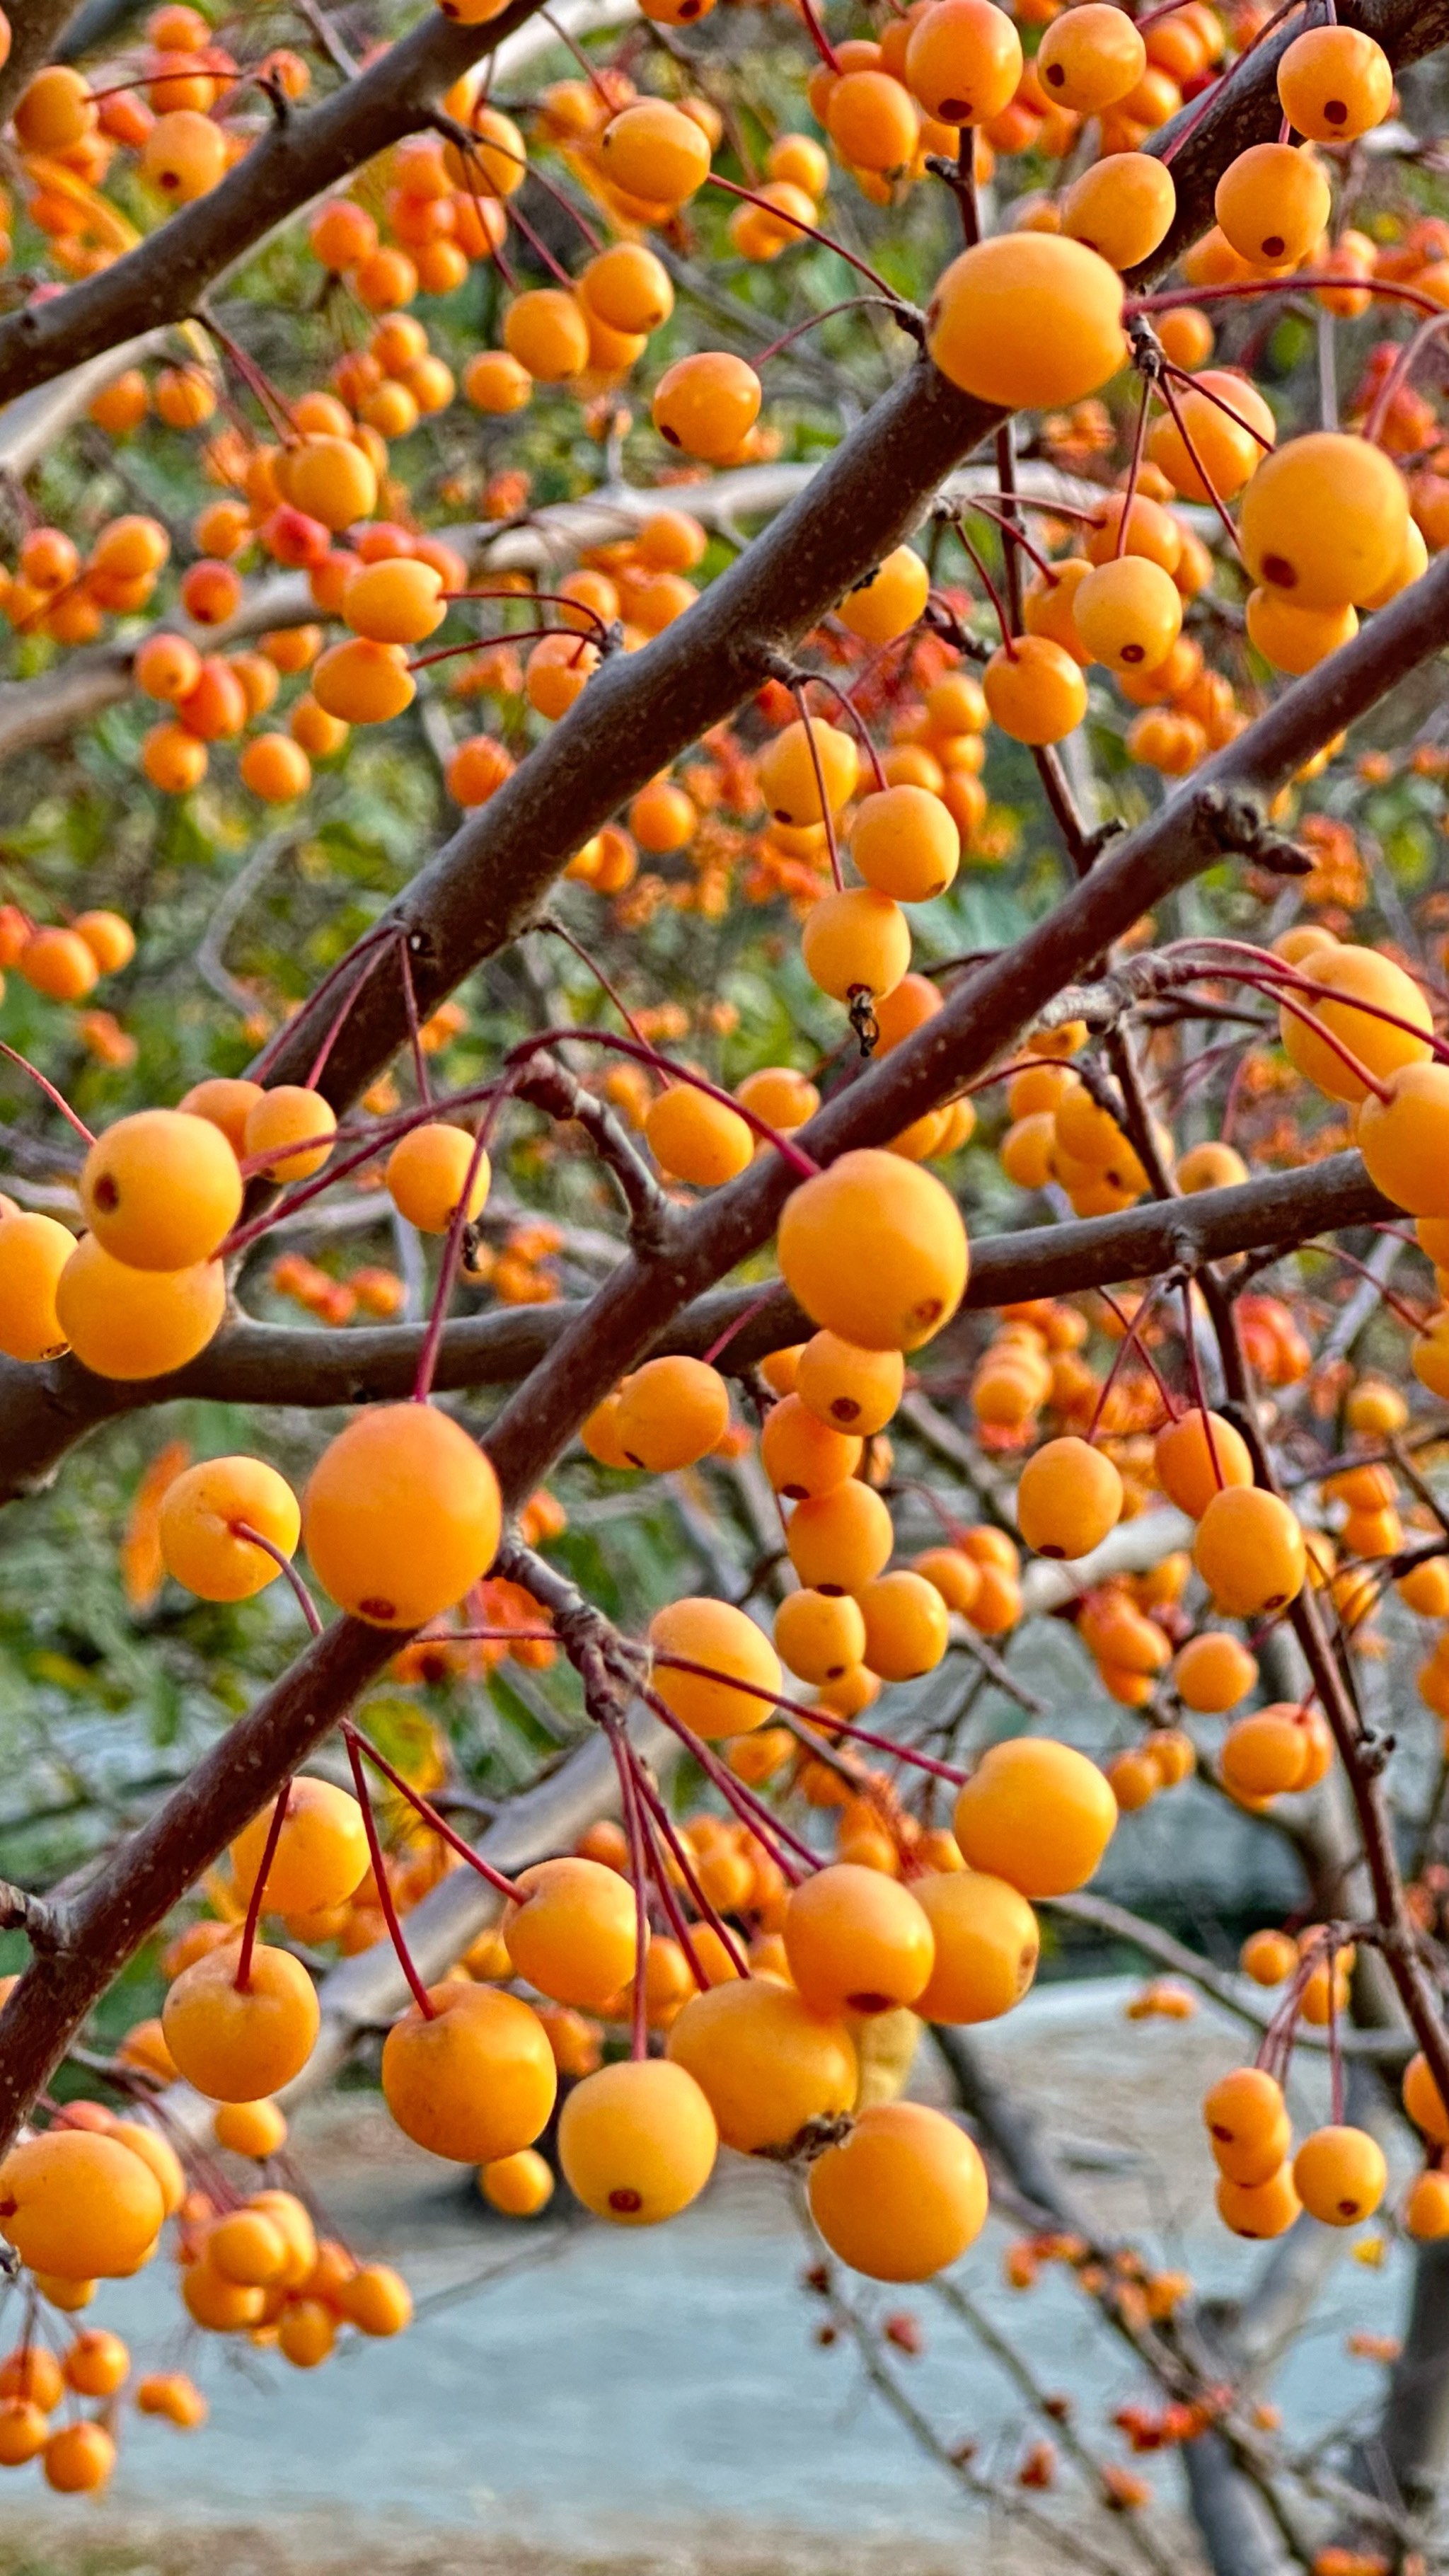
(46, 1410)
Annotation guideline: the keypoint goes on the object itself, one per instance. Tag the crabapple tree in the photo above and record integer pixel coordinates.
(725, 1085)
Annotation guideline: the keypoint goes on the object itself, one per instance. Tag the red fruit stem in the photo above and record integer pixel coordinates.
(643, 1053)
(452, 1253)
(437, 1824)
(551, 598)
(851, 304)
(740, 1321)
(1402, 366)
(1194, 1370)
(485, 643)
(319, 1063)
(993, 594)
(766, 1828)
(639, 1867)
(381, 930)
(819, 38)
(821, 680)
(673, 1910)
(797, 692)
(420, 1994)
(49, 1089)
(1189, 442)
(1132, 1328)
(244, 1529)
(415, 1034)
(820, 1718)
(243, 1978)
(1133, 470)
(1211, 95)
(1292, 282)
(683, 1862)
(779, 215)
(1182, 376)
(562, 932)
(1019, 537)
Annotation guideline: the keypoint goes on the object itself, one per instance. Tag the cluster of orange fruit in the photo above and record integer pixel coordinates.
(86, 2199)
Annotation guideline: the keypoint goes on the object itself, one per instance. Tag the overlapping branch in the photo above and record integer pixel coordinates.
(149, 1873)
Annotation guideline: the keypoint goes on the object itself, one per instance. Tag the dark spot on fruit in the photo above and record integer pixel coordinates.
(384, 1610)
(870, 2003)
(1055, 74)
(1273, 246)
(626, 2201)
(105, 1194)
(794, 1493)
(1278, 570)
(845, 1408)
(1336, 111)
(1051, 1551)
(1134, 653)
(671, 436)
(955, 111)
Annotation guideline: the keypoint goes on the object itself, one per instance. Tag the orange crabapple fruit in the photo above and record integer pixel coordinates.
(401, 1515)
(476, 2080)
(1037, 1814)
(902, 2196)
(766, 2062)
(637, 2141)
(200, 1533)
(233, 2043)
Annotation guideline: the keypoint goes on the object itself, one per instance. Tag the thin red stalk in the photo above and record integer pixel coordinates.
(420, 1994)
(319, 1065)
(639, 1863)
(766, 1828)
(386, 1133)
(415, 1034)
(487, 643)
(49, 1089)
(992, 593)
(437, 1824)
(1132, 1326)
(1220, 402)
(1406, 1314)
(581, 58)
(659, 1872)
(244, 1529)
(370, 938)
(850, 304)
(827, 1723)
(452, 1254)
(1212, 94)
(822, 680)
(818, 1717)
(551, 598)
(708, 1913)
(1194, 1370)
(1133, 470)
(818, 36)
(639, 1048)
(732, 188)
(600, 978)
(1019, 537)
(740, 1321)
(1185, 434)
(797, 691)
(1295, 282)
(243, 1978)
